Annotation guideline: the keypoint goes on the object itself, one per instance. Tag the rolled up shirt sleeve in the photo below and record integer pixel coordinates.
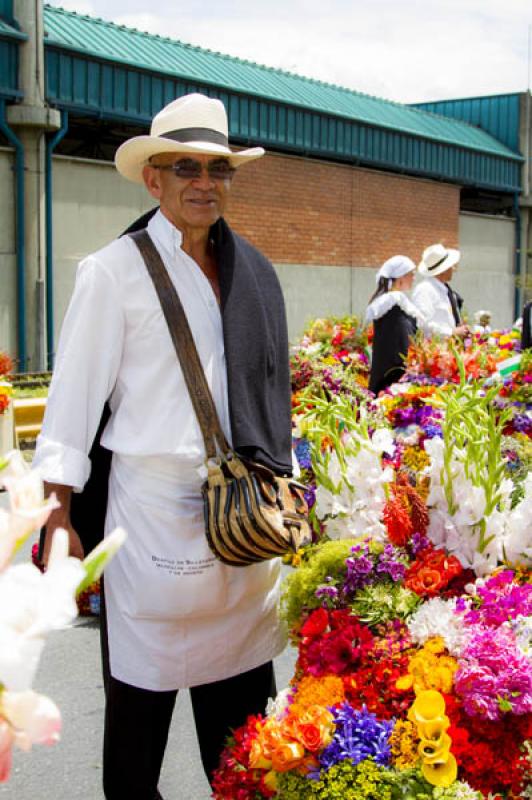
(85, 373)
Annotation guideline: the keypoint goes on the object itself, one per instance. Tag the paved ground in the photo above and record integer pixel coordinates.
(70, 674)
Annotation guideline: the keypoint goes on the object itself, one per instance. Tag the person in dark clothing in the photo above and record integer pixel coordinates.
(526, 335)
(395, 320)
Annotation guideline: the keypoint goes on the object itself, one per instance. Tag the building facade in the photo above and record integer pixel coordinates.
(348, 180)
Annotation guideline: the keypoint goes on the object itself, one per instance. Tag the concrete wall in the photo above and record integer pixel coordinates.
(92, 204)
(485, 276)
(8, 285)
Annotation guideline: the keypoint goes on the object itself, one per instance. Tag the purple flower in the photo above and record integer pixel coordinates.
(302, 451)
(418, 543)
(500, 599)
(431, 431)
(327, 593)
(358, 735)
(310, 495)
(521, 423)
(388, 563)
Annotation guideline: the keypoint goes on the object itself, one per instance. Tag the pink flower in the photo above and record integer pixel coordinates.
(494, 676)
(34, 718)
(6, 750)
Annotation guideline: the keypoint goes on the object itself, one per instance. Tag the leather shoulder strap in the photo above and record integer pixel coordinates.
(185, 347)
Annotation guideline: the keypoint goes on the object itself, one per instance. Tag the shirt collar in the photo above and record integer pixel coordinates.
(439, 285)
(164, 233)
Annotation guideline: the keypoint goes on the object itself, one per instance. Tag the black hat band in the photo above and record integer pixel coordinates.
(437, 264)
(185, 135)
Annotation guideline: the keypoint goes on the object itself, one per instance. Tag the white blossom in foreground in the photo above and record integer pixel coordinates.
(32, 604)
(352, 499)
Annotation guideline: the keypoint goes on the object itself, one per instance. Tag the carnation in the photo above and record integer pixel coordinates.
(494, 676)
(438, 617)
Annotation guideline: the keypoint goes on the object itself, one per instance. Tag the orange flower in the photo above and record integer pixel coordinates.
(313, 729)
(257, 757)
(287, 756)
(324, 691)
(426, 580)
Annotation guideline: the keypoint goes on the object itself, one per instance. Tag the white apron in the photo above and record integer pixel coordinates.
(176, 616)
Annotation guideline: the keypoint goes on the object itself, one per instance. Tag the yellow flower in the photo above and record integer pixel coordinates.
(432, 751)
(404, 683)
(270, 780)
(415, 458)
(257, 759)
(429, 670)
(434, 728)
(287, 756)
(427, 706)
(442, 773)
(403, 745)
(435, 645)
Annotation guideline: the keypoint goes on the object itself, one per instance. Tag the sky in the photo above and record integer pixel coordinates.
(403, 50)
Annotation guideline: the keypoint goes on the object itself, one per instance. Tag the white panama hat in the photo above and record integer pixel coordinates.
(437, 259)
(193, 123)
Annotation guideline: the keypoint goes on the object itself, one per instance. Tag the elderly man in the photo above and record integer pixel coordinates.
(438, 303)
(176, 617)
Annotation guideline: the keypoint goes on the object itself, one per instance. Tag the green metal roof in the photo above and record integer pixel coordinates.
(118, 44)
(9, 32)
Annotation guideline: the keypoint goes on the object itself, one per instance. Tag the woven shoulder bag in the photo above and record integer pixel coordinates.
(251, 514)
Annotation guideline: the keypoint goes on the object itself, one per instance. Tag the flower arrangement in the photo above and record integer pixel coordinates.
(33, 603)
(6, 366)
(437, 360)
(331, 358)
(411, 612)
(406, 695)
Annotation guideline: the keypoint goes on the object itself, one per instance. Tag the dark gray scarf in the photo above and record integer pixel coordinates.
(256, 351)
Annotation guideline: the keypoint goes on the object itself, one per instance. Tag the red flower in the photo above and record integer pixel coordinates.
(431, 572)
(316, 623)
(398, 523)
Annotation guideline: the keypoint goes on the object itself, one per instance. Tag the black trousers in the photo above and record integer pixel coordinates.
(137, 723)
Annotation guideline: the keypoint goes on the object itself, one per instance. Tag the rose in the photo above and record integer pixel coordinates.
(426, 581)
(287, 756)
(314, 728)
(257, 757)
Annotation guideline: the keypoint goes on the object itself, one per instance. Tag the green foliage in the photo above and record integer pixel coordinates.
(343, 781)
(518, 452)
(384, 601)
(324, 561)
(457, 791)
(472, 433)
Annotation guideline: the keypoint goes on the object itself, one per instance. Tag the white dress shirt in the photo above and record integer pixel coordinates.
(115, 345)
(432, 299)
(176, 616)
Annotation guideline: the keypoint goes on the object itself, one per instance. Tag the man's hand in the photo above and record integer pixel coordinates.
(461, 331)
(60, 518)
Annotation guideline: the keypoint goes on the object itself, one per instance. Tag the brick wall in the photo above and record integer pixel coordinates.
(301, 211)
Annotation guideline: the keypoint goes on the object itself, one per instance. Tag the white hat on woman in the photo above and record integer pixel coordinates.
(394, 268)
(191, 124)
(437, 259)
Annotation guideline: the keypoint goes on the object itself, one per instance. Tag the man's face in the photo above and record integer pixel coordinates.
(446, 276)
(189, 202)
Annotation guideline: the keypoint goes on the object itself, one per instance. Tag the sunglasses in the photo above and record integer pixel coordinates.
(189, 169)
